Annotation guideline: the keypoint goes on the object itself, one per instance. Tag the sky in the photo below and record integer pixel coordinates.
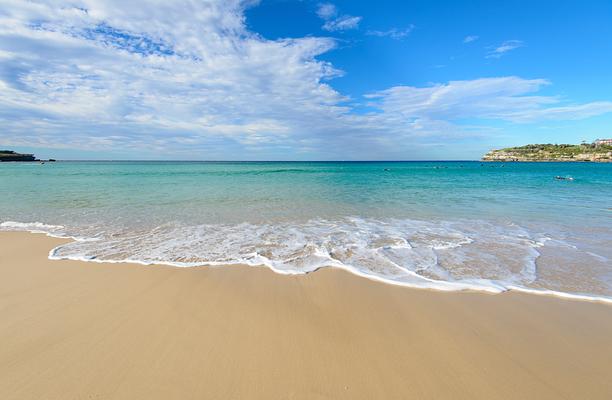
(301, 80)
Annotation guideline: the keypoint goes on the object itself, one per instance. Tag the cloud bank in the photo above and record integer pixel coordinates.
(187, 79)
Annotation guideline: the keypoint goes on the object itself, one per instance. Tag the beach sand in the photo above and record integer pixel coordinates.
(76, 330)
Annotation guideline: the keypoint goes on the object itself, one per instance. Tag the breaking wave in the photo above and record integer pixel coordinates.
(443, 255)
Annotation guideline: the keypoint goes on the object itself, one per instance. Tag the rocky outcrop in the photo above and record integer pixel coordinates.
(8, 155)
(552, 153)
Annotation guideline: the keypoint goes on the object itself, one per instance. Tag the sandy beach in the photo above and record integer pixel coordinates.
(75, 330)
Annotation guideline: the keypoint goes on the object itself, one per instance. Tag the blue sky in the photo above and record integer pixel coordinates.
(301, 80)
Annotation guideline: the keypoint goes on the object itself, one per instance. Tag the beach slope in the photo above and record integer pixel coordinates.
(75, 330)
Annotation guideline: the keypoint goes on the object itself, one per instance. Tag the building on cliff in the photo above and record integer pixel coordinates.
(603, 142)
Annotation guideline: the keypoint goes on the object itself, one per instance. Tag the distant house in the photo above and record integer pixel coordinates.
(603, 142)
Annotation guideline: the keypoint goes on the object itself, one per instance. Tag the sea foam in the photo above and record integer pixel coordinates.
(442, 255)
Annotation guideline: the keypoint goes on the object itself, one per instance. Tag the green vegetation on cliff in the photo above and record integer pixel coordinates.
(560, 149)
(553, 152)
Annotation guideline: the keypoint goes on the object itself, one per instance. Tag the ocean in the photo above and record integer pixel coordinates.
(439, 225)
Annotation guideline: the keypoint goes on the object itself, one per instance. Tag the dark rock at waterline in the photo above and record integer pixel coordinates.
(9, 155)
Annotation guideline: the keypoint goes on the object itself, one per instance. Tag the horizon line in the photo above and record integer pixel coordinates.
(235, 161)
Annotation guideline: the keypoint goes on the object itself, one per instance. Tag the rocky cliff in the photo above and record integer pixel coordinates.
(8, 155)
(552, 153)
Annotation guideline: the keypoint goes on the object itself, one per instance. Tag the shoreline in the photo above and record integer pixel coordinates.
(436, 285)
(74, 329)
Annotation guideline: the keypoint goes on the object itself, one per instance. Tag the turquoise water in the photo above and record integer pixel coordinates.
(446, 225)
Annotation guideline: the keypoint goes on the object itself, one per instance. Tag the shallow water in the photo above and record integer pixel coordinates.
(445, 225)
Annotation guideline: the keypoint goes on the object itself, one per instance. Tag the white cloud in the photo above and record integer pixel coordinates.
(470, 38)
(506, 98)
(394, 33)
(505, 47)
(165, 69)
(334, 22)
(342, 23)
(188, 79)
(327, 11)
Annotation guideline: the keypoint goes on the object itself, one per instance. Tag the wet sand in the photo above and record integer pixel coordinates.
(76, 330)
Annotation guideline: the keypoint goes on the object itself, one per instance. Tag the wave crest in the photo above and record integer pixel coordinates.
(444, 255)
